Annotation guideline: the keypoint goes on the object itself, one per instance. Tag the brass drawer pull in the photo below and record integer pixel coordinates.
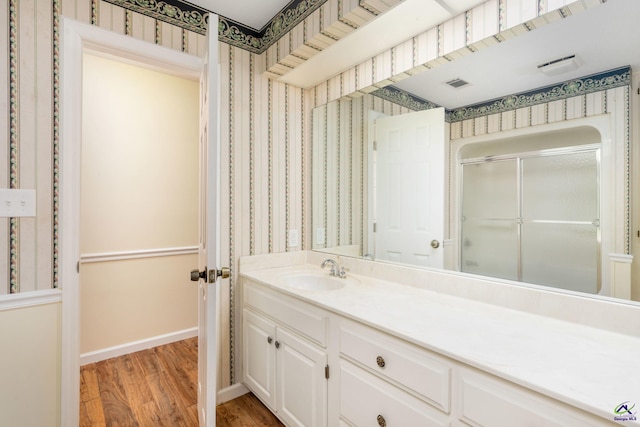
(380, 362)
(381, 421)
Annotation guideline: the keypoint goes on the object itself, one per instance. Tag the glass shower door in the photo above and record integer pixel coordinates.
(560, 240)
(490, 219)
(533, 217)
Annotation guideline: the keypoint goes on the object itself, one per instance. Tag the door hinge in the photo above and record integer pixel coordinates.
(375, 228)
(375, 145)
(326, 372)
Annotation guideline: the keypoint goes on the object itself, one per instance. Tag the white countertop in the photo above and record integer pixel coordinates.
(592, 369)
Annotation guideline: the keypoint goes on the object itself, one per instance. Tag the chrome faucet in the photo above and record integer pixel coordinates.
(336, 271)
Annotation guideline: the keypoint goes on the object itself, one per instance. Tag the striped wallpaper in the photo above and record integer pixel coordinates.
(340, 170)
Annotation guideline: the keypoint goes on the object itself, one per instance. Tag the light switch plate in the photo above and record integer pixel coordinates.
(17, 203)
(294, 239)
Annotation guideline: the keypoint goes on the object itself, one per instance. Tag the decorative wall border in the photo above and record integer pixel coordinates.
(171, 11)
(192, 18)
(581, 86)
(404, 98)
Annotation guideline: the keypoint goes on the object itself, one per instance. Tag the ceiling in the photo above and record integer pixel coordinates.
(602, 38)
(251, 13)
(398, 24)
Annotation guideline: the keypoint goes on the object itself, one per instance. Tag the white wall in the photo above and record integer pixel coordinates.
(30, 366)
(139, 193)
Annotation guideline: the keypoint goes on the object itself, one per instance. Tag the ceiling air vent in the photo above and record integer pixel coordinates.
(456, 83)
(560, 65)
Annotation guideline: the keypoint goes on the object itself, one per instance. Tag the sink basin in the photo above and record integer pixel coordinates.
(314, 281)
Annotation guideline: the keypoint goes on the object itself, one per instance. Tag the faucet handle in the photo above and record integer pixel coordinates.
(341, 273)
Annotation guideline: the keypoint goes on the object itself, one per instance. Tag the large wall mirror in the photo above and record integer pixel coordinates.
(402, 174)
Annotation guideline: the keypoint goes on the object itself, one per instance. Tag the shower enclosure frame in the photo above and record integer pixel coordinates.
(615, 189)
(519, 157)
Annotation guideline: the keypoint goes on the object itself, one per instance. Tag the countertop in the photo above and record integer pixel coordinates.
(591, 369)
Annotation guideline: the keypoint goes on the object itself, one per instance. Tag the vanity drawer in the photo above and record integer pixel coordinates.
(298, 316)
(406, 365)
(366, 400)
(488, 401)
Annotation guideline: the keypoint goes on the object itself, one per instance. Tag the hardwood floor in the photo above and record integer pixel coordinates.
(157, 387)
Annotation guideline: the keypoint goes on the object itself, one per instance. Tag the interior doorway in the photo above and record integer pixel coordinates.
(76, 40)
(139, 207)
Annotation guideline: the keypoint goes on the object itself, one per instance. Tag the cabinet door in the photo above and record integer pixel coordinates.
(302, 386)
(259, 336)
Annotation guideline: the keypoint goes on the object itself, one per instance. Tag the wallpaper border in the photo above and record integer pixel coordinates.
(581, 86)
(192, 18)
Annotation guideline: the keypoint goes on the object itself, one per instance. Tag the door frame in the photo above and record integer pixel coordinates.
(76, 39)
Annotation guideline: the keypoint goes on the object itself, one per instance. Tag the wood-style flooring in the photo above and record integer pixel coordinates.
(157, 387)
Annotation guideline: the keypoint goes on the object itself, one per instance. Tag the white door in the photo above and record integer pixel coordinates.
(409, 196)
(208, 250)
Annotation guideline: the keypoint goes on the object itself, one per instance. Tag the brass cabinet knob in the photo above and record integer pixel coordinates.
(277, 344)
(381, 421)
(380, 361)
(269, 340)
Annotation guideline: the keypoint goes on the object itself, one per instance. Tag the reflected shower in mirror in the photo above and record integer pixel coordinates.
(497, 219)
(570, 134)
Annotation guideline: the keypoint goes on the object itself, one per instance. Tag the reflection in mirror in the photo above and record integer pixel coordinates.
(538, 171)
(534, 216)
(524, 208)
(342, 149)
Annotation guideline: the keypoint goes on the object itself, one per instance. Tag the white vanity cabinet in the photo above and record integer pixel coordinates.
(383, 376)
(484, 400)
(284, 362)
(388, 382)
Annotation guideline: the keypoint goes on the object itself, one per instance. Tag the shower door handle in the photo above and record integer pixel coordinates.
(435, 244)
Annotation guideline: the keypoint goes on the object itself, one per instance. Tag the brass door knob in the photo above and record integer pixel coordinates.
(224, 272)
(435, 244)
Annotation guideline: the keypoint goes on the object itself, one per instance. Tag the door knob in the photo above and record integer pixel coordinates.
(223, 273)
(435, 244)
(197, 275)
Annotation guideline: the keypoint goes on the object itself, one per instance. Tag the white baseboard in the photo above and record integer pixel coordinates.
(132, 347)
(231, 392)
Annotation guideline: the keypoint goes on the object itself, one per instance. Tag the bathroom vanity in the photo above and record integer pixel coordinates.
(366, 350)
